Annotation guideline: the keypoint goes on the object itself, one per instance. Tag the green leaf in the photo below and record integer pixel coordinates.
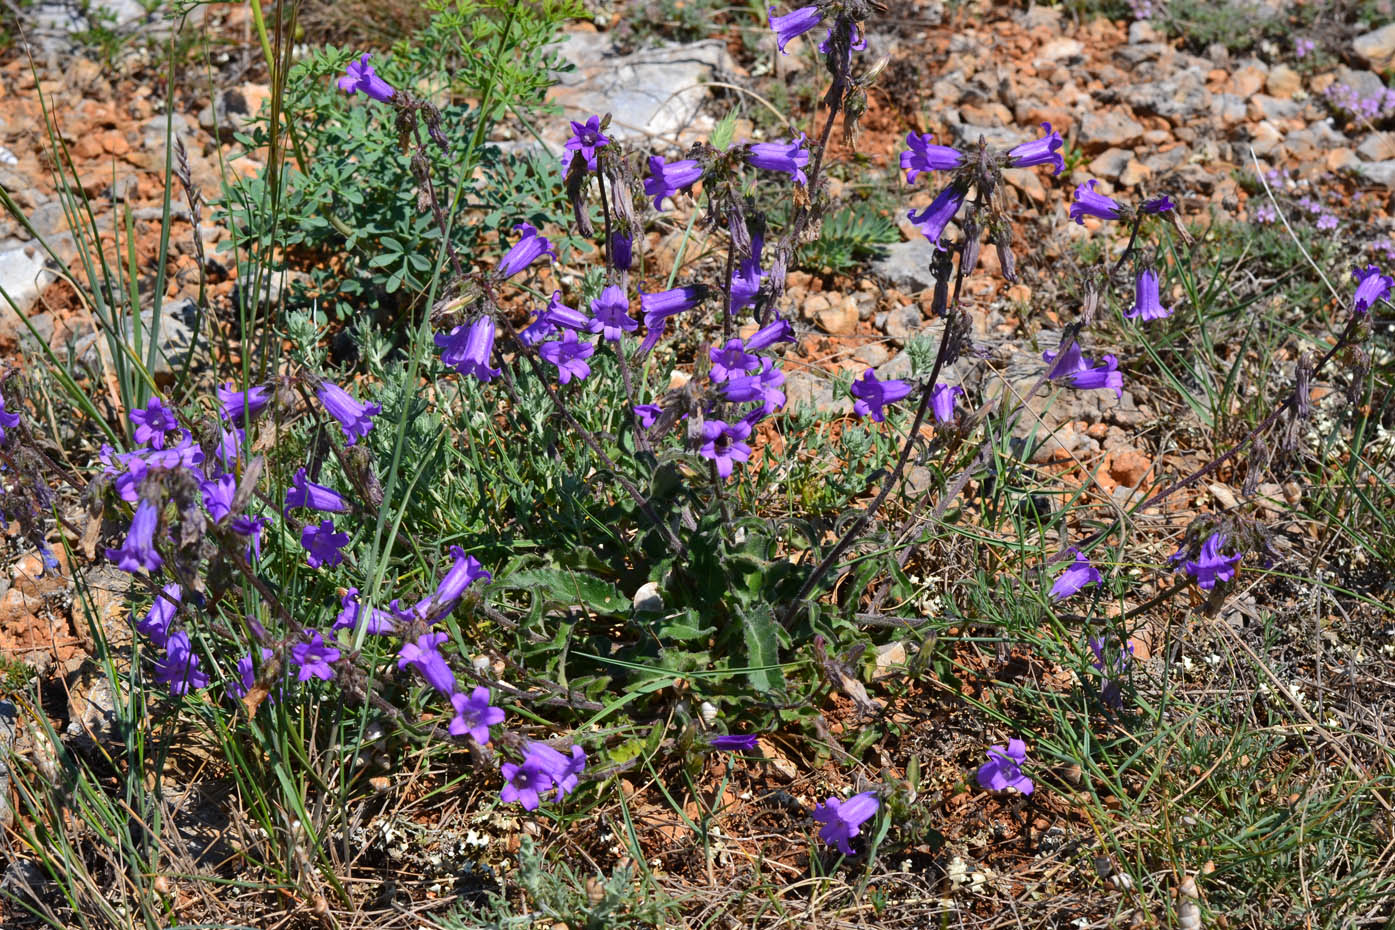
(723, 131)
(762, 649)
(559, 588)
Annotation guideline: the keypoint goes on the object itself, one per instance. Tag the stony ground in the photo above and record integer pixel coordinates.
(1145, 114)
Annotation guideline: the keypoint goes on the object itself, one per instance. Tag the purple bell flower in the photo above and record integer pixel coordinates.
(792, 25)
(8, 420)
(424, 655)
(734, 742)
(156, 624)
(362, 77)
(525, 251)
(1211, 566)
(322, 544)
(742, 389)
(569, 355)
(355, 419)
(942, 401)
(229, 448)
(622, 249)
(152, 422)
(180, 666)
(314, 657)
(647, 414)
(467, 349)
(1003, 769)
(1043, 151)
(1089, 203)
(843, 820)
(725, 443)
(474, 716)
(523, 783)
(305, 493)
(1076, 576)
(138, 551)
(247, 674)
(771, 380)
(240, 407)
(586, 138)
(559, 314)
(564, 770)
(668, 178)
(218, 494)
(771, 334)
(1146, 303)
(660, 305)
(924, 156)
(352, 613)
(788, 157)
(1071, 364)
(1158, 205)
(539, 331)
(1112, 691)
(871, 395)
(1371, 286)
(730, 360)
(934, 218)
(611, 314)
(464, 571)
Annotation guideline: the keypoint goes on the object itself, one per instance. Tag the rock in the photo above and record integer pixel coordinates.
(1000, 138)
(1058, 49)
(1265, 138)
(1263, 106)
(840, 317)
(1229, 109)
(1247, 79)
(23, 278)
(872, 354)
(647, 598)
(907, 265)
(1134, 173)
(1129, 467)
(1382, 172)
(1377, 47)
(1166, 160)
(1283, 82)
(1141, 31)
(1027, 181)
(233, 110)
(1100, 130)
(902, 324)
(1366, 84)
(1111, 163)
(277, 287)
(1377, 146)
(178, 320)
(652, 93)
(1177, 98)
(814, 391)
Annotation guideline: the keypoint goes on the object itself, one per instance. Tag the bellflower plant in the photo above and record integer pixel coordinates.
(240, 407)
(923, 156)
(424, 655)
(1075, 577)
(362, 77)
(842, 820)
(524, 783)
(569, 355)
(1090, 203)
(734, 742)
(179, 669)
(1210, 566)
(1043, 151)
(788, 157)
(1073, 366)
(156, 624)
(1146, 304)
(563, 770)
(793, 25)
(473, 714)
(934, 218)
(1371, 288)
(464, 571)
(586, 138)
(322, 544)
(942, 401)
(528, 249)
(668, 178)
(306, 493)
(138, 553)
(467, 349)
(611, 314)
(1003, 770)
(8, 420)
(353, 614)
(559, 314)
(725, 443)
(872, 394)
(314, 657)
(152, 422)
(355, 419)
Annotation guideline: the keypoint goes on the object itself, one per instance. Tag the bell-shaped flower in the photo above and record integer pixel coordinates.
(731, 360)
(474, 715)
(1043, 151)
(1076, 576)
(138, 553)
(586, 138)
(934, 218)
(467, 348)
(725, 443)
(569, 355)
(871, 394)
(842, 820)
(1075, 367)
(787, 157)
(772, 333)
(362, 77)
(152, 422)
(610, 313)
(525, 251)
(424, 655)
(155, 625)
(923, 156)
(942, 401)
(322, 544)
(306, 493)
(1089, 203)
(1003, 770)
(792, 25)
(314, 657)
(241, 407)
(355, 419)
(1371, 287)
(1146, 303)
(668, 178)
(179, 669)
